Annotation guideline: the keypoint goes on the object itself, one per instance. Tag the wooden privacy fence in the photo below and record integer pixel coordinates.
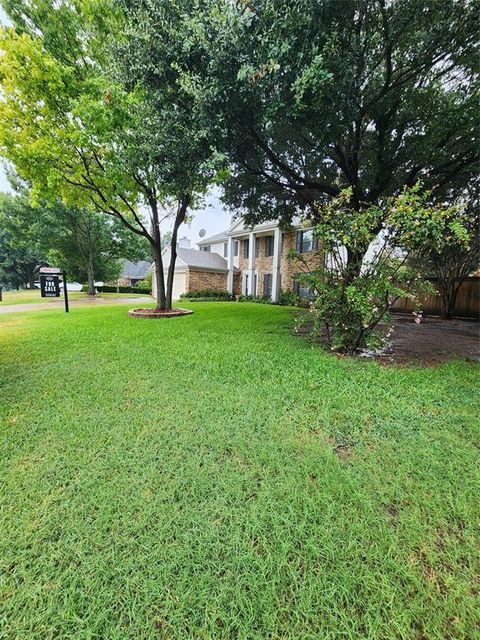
(467, 304)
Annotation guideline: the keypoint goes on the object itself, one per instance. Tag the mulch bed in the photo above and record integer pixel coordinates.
(431, 342)
(159, 313)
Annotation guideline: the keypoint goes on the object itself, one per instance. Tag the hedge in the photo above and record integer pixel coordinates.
(207, 294)
(112, 288)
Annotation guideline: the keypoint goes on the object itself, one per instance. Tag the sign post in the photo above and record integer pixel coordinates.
(65, 292)
(50, 284)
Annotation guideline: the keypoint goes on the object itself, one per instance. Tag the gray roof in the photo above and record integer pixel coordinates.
(202, 259)
(219, 237)
(136, 270)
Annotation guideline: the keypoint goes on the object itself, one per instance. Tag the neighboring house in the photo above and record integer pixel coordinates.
(249, 261)
(133, 273)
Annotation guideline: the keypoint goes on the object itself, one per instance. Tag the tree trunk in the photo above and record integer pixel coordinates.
(449, 291)
(159, 278)
(180, 217)
(31, 280)
(90, 272)
(91, 283)
(156, 242)
(354, 264)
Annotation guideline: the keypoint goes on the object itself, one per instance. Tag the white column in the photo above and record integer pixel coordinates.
(251, 264)
(230, 265)
(277, 255)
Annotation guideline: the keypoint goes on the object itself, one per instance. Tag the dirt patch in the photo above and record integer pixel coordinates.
(431, 342)
(343, 451)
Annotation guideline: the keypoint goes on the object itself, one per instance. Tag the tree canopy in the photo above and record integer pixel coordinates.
(87, 244)
(370, 95)
(21, 249)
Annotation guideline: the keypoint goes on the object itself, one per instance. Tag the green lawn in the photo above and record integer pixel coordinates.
(213, 477)
(30, 296)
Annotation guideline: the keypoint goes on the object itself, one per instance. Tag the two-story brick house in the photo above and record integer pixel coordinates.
(249, 261)
(260, 255)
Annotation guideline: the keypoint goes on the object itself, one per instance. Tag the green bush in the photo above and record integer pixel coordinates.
(288, 299)
(145, 285)
(207, 294)
(112, 288)
(257, 299)
(207, 299)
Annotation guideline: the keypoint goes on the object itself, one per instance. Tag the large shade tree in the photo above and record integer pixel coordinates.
(362, 94)
(311, 97)
(76, 123)
(315, 99)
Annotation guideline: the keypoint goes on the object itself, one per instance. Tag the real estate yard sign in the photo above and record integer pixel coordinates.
(50, 284)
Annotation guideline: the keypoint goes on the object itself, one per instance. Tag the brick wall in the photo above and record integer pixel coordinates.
(237, 283)
(264, 265)
(198, 280)
(288, 268)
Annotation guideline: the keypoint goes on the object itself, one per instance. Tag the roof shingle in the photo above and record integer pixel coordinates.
(136, 270)
(202, 259)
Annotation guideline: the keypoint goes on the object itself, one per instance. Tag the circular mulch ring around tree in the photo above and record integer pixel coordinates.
(159, 313)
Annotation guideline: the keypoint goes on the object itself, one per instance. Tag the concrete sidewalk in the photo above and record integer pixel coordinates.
(59, 303)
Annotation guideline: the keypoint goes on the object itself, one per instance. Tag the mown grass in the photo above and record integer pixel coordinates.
(214, 477)
(31, 296)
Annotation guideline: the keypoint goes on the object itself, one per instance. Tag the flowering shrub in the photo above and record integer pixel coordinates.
(365, 268)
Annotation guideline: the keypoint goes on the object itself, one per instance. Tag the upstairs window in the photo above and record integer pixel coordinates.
(206, 247)
(246, 248)
(235, 248)
(225, 249)
(257, 247)
(268, 246)
(305, 241)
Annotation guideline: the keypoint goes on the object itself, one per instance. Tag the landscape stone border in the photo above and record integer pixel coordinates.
(154, 313)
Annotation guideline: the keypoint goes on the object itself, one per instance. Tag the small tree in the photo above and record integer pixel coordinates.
(455, 261)
(87, 244)
(352, 306)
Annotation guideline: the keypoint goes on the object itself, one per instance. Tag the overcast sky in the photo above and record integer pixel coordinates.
(214, 218)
